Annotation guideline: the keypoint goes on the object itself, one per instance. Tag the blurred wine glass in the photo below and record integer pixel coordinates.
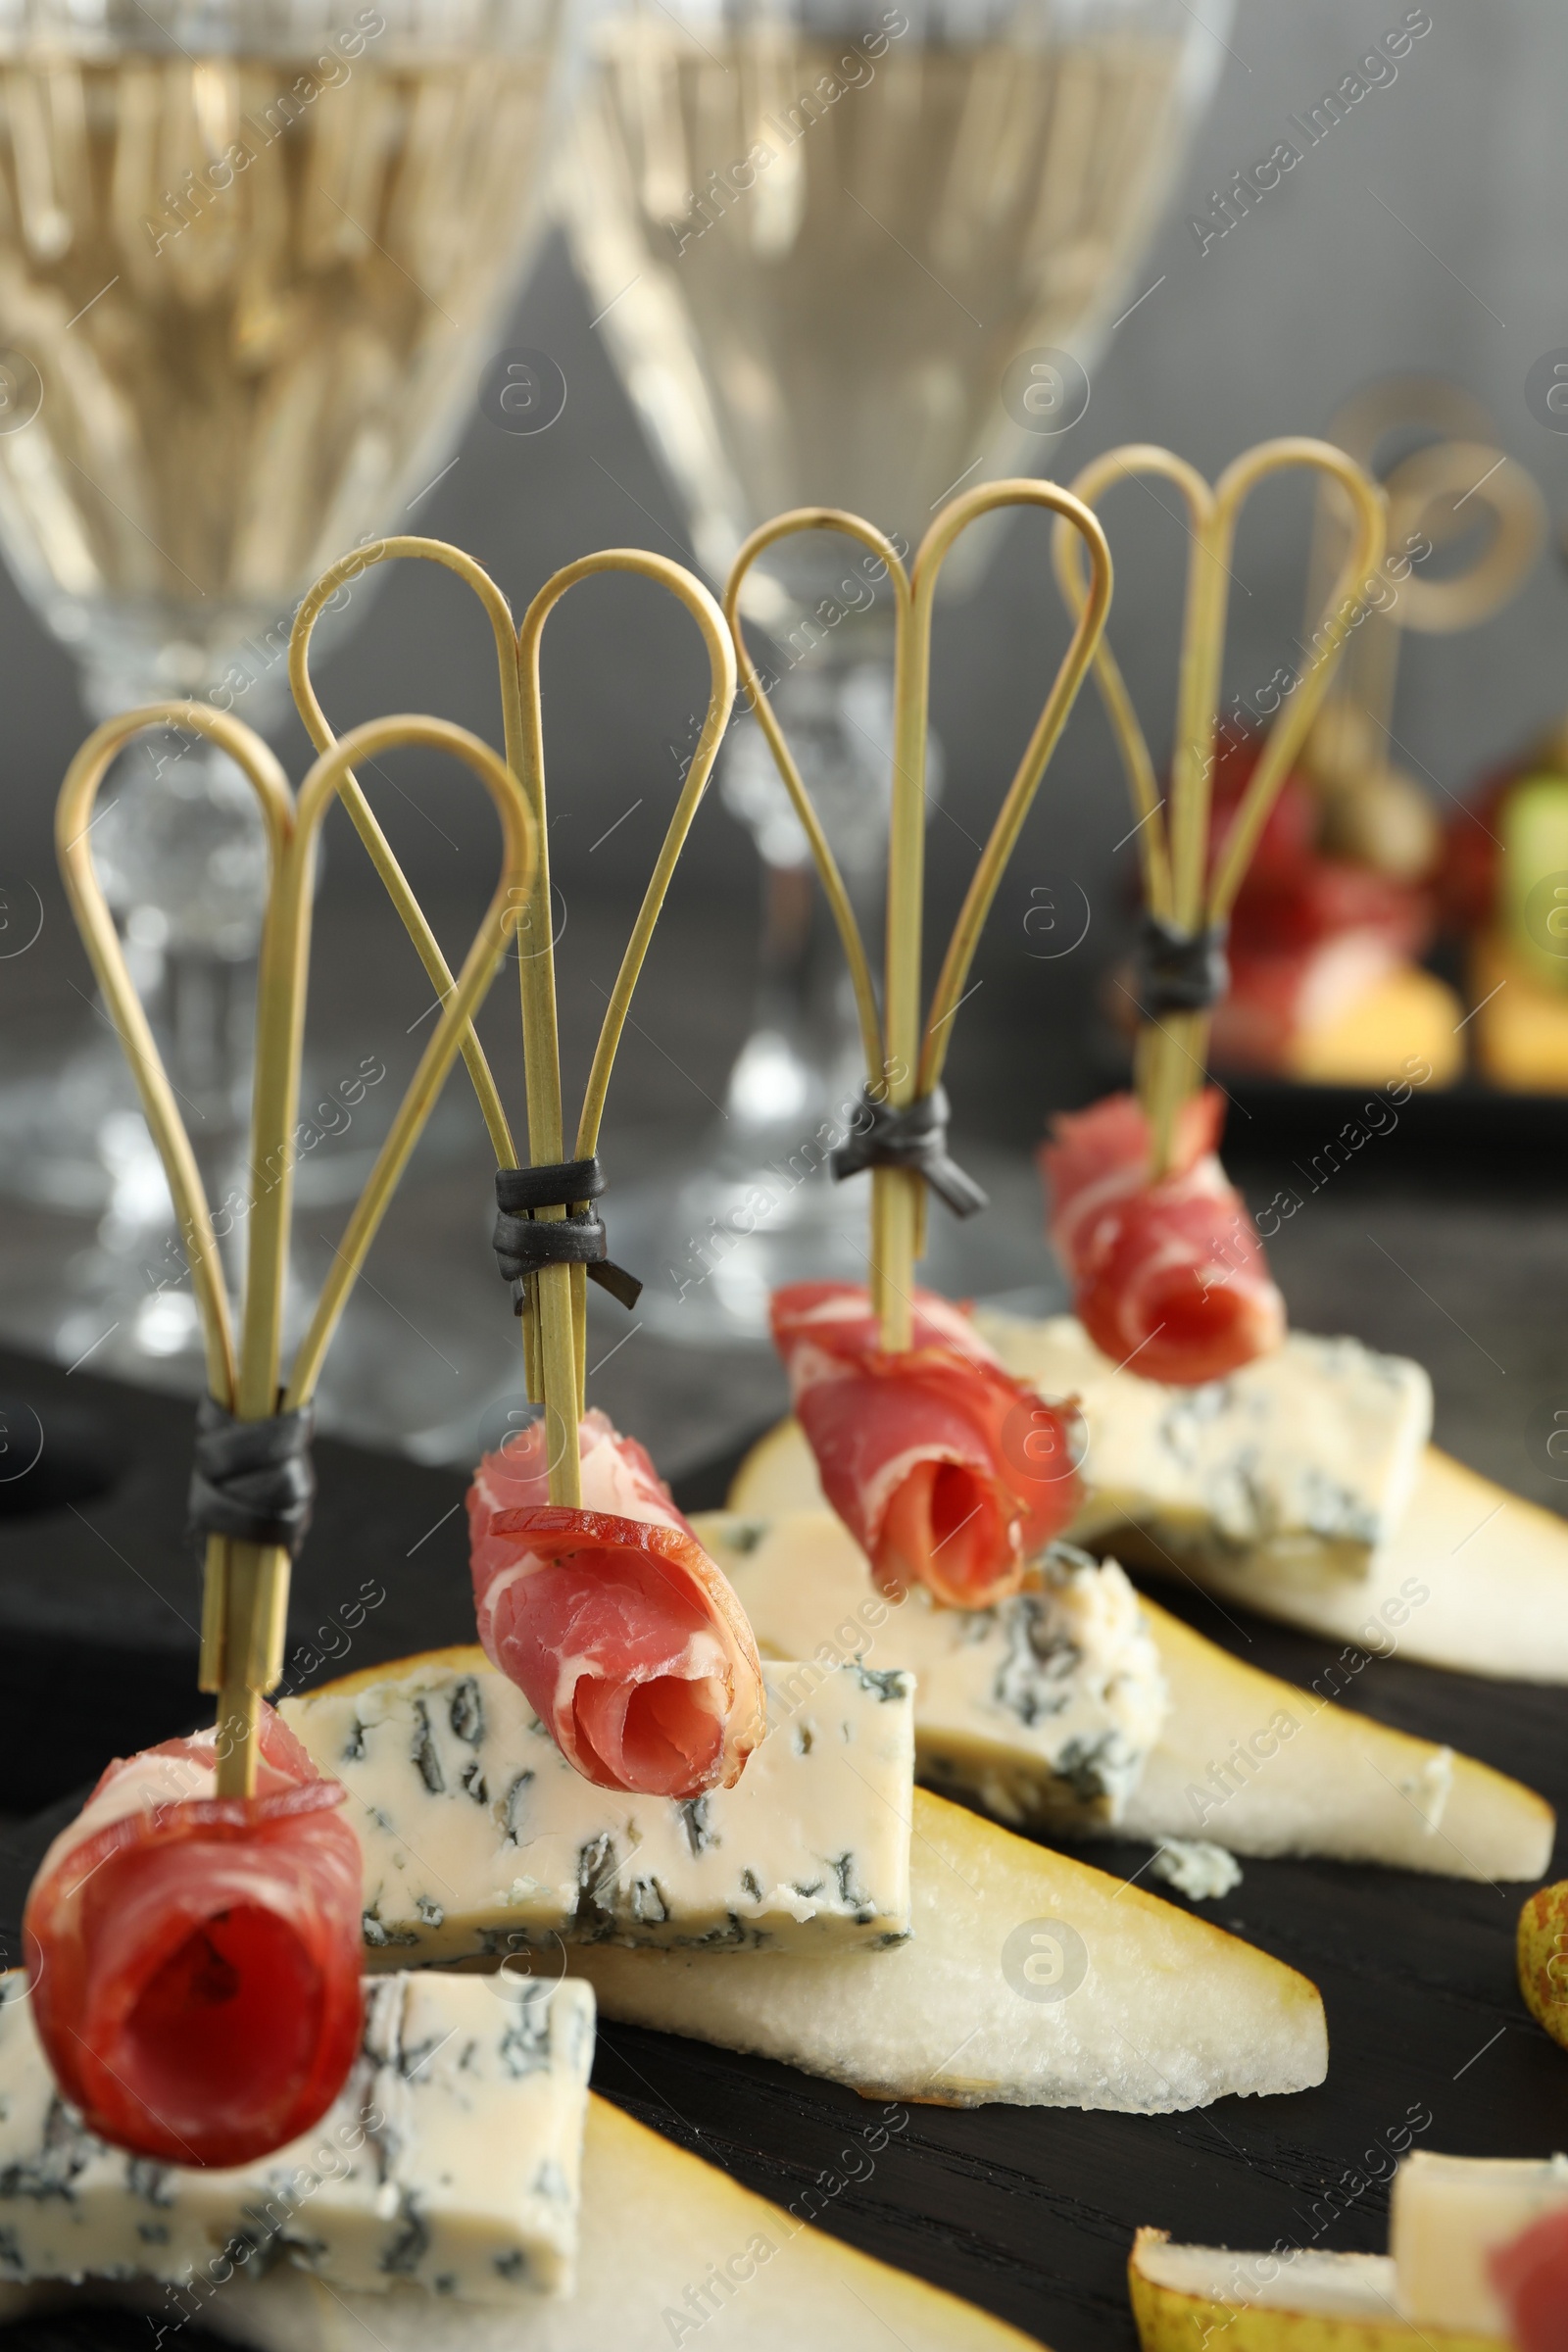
(855, 257)
(252, 253)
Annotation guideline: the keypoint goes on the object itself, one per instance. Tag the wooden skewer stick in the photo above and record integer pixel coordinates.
(902, 1056)
(245, 1598)
(1173, 843)
(555, 1328)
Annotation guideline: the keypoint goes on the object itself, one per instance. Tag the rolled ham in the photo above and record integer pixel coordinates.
(194, 1959)
(948, 1472)
(626, 1640)
(1169, 1279)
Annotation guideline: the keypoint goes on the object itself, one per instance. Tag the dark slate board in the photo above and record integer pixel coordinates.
(1028, 2212)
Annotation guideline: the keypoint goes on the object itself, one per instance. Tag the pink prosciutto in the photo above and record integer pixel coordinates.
(1169, 1279)
(1531, 2276)
(627, 1640)
(195, 1959)
(948, 1472)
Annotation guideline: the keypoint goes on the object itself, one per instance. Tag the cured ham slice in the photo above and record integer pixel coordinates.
(1530, 2277)
(1170, 1280)
(948, 1472)
(626, 1640)
(195, 1959)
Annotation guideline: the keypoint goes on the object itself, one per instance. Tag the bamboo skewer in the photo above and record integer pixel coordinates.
(904, 1058)
(245, 1598)
(555, 1329)
(1180, 887)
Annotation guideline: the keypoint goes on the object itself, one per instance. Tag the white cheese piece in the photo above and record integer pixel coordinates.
(1201, 1744)
(1196, 1868)
(1448, 2214)
(479, 1839)
(1029, 1980)
(1302, 1461)
(451, 2158)
(1041, 1709)
(673, 2252)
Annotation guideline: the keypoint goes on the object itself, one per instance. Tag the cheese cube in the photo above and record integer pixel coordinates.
(1043, 1709)
(1449, 2214)
(479, 1839)
(451, 2159)
(1300, 1464)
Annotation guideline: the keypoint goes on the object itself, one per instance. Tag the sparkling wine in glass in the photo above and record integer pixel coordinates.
(856, 256)
(252, 255)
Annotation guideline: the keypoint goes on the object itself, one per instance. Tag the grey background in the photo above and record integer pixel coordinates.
(1320, 289)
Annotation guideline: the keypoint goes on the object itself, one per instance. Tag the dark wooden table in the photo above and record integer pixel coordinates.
(1028, 2212)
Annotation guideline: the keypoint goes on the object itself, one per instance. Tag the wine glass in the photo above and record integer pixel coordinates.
(252, 254)
(858, 259)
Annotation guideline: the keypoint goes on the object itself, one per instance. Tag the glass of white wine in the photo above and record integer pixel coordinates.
(252, 253)
(853, 255)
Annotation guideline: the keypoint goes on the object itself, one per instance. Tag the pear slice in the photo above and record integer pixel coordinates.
(667, 2244)
(1028, 1978)
(1238, 1757)
(1484, 1575)
(1298, 2300)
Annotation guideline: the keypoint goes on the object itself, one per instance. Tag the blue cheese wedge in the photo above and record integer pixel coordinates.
(1043, 1709)
(1295, 1470)
(451, 2160)
(480, 1840)
(1081, 1707)
(1302, 1463)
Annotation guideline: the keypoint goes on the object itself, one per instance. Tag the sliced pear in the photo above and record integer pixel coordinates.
(1239, 1756)
(1029, 1980)
(1473, 1578)
(667, 2244)
(1298, 2300)
(1264, 1768)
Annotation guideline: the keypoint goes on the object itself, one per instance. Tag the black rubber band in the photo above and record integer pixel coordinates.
(253, 1480)
(556, 1187)
(1181, 971)
(915, 1137)
(524, 1243)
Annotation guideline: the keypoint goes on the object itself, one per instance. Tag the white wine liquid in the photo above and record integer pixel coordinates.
(243, 369)
(840, 331)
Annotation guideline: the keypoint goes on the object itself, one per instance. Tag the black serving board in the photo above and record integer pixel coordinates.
(1028, 2212)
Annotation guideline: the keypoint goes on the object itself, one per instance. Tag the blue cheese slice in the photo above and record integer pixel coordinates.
(1081, 1707)
(1295, 1471)
(1302, 1463)
(451, 2160)
(1043, 1709)
(480, 1840)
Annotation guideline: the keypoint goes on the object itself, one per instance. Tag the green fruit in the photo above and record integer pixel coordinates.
(1543, 1959)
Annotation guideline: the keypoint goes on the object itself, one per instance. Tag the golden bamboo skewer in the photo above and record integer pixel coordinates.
(556, 1329)
(905, 1059)
(1180, 888)
(245, 1598)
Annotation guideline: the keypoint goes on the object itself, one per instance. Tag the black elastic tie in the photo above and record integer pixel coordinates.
(524, 1243)
(253, 1480)
(915, 1137)
(1181, 971)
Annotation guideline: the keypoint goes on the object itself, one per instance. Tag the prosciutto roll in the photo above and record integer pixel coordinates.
(947, 1471)
(626, 1640)
(1169, 1279)
(195, 1959)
